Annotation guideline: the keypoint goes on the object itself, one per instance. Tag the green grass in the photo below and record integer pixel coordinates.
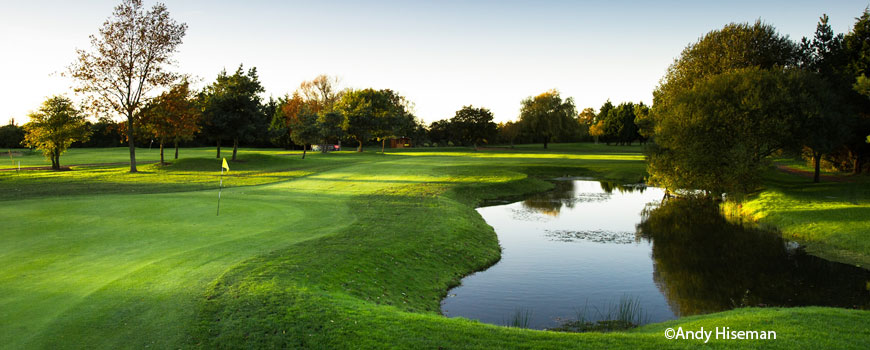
(341, 250)
(831, 218)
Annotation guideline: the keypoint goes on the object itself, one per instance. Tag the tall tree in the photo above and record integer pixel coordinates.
(475, 125)
(857, 47)
(231, 107)
(547, 116)
(54, 127)
(128, 60)
(825, 56)
(172, 117)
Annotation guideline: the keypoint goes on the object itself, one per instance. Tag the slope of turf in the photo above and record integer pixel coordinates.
(354, 251)
(831, 218)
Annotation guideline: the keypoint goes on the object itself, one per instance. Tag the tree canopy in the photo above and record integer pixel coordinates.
(474, 125)
(231, 106)
(547, 116)
(172, 117)
(54, 127)
(716, 136)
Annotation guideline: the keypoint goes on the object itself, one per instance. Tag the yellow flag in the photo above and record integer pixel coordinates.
(225, 165)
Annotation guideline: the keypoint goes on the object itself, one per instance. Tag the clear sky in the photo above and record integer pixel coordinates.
(440, 54)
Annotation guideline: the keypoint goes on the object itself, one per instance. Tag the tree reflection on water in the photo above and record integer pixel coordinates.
(703, 264)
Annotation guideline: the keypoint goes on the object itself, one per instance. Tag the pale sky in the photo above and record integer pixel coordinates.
(439, 54)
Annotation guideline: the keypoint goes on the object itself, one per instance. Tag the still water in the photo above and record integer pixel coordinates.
(580, 249)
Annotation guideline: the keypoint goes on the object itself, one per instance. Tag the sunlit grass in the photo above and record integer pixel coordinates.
(832, 218)
(341, 250)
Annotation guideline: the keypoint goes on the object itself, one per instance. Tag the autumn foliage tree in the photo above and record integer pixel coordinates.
(127, 61)
(172, 117)
(54, 127)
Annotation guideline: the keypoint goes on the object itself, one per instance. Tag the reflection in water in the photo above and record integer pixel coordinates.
(551, 202)
(703, 263)
(586, 244)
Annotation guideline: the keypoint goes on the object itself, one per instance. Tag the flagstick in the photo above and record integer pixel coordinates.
(219, 191)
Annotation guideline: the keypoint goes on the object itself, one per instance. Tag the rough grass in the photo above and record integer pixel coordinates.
(353, 251)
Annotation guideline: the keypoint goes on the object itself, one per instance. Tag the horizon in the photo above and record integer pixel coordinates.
(440, 56)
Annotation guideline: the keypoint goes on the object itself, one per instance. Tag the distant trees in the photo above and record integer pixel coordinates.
(370, 113)
(508, 132)
(547, 116)
(11, 135)
(128, 60)
(474, 125)
(54, 127)
(172, 117)
(231, 107)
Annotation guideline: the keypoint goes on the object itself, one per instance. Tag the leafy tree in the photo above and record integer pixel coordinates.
(321, 93)
(439, 131)
(644, 122)
(172, 117)
(547, 116)
(305, 129)
(586, 119)
(287, 113)
(716, 136)
(55, 127)
(11, 135)
(329, 127)
(509, 131)
(128, 60)
(600, 124)
(371, 113)
(231, 107)
(723, 142)
(475, 125)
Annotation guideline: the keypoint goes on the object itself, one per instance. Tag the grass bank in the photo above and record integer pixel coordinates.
(831, 218)
(355, 251)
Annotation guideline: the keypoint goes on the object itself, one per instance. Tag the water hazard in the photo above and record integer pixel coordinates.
(588, 248)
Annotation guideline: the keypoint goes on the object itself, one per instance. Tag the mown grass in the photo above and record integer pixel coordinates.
(355, 251)
(831, 218)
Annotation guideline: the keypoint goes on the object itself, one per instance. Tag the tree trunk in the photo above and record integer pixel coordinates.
(218, 149)
(817, 158)
(359, 148)
(55, 164)
(303, 151)
(235, 147)
(856, 164)
(161, 152)
(176, 149)
(383, 145)
(130, 141)
(546, 141)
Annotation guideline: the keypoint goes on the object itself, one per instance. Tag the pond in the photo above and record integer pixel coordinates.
(587, 249)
